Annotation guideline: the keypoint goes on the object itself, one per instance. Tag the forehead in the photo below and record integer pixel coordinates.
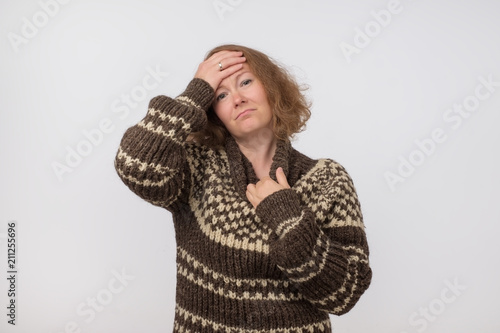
(245, 69)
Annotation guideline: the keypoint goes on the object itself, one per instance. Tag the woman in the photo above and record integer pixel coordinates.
(268, 240)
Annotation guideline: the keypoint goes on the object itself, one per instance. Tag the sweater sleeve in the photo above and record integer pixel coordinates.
(321, 246)
(151, 159)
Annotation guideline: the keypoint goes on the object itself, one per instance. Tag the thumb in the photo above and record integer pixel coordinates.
(281, 178)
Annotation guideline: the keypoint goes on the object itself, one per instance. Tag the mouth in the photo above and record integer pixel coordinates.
(243, 113)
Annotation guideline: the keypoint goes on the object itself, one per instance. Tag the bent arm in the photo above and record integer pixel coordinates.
(321, 247)
(151, 159)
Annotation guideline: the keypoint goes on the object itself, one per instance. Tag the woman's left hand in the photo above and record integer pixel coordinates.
(266, 186)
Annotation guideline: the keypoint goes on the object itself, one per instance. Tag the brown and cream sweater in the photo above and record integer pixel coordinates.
(282, 267)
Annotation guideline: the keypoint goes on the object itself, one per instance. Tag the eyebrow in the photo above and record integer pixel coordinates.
(237, 77)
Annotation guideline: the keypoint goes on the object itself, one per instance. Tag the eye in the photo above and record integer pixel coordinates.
(220, 96)
(246, 82)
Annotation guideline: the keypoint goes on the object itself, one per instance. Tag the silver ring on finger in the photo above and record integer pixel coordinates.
(220, 66)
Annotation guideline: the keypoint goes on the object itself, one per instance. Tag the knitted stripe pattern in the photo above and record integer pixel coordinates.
(282, 267)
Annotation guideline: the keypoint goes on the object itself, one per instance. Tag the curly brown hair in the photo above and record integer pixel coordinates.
(290, 108)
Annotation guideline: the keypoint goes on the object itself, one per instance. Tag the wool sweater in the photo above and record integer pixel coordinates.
(282, 267)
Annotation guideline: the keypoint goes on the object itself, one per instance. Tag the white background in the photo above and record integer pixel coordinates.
(436, 227)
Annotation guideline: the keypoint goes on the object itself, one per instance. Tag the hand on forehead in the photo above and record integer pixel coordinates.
(219, 66)
(228, 80)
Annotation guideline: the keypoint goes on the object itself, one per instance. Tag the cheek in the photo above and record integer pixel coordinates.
(221, 113)
(261, 93)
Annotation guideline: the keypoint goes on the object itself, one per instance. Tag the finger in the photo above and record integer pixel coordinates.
(229, 61)
(229, 67)
(264, 179)
(226, 72)
(225, 58)
(216, 57)
(281, 177)
(211, 72)
(225, 68)
(250, 197)
(251, 188)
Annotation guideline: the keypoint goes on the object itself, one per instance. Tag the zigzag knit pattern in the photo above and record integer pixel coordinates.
(282, 267)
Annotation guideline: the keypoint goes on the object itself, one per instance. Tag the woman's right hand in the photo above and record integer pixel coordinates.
(210, 71)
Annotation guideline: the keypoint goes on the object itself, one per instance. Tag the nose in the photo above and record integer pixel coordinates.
(238, 98)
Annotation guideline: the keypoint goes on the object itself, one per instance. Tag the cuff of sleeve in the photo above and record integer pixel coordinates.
(190, 106)
(279, 208)
(200, 93)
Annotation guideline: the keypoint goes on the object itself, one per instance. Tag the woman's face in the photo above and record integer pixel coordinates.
(241, 104)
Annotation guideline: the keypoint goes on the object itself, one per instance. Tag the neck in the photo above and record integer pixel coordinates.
(260, 153)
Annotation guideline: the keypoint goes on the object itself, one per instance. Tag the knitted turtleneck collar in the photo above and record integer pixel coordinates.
(242, 170)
